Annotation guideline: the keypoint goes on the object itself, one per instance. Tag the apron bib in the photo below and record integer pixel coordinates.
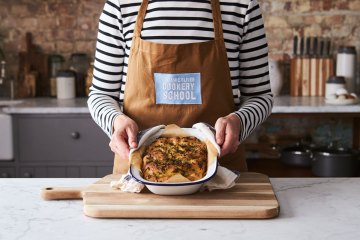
(179, 83)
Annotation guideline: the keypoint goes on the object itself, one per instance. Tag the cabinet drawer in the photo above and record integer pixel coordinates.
(61, 139)
(65, 172)
(7, 172)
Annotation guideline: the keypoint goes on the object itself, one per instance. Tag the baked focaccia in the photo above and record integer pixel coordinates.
(168, 156)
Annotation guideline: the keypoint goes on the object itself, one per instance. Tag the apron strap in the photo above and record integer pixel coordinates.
(216, 13)
(140, 18)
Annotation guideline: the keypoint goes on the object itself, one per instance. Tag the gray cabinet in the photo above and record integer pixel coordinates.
(71, 139)
(59, 145)
(7, 172)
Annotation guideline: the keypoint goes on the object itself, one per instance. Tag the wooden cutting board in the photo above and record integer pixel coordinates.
(251, 197)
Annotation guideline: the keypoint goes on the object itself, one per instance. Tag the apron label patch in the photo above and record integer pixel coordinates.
(180, 88)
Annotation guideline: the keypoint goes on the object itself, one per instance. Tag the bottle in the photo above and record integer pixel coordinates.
(276, 77)
(79, 63)
(89, 78)
(345, 66)
(56, 64)
(65, 84)
(2, 72)
(333, 84)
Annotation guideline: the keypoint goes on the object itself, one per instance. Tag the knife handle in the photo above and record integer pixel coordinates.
(308, 46)
(60, 193)
(301, 46)
(295, 47)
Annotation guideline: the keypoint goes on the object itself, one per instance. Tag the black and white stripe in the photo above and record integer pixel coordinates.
(179, 22)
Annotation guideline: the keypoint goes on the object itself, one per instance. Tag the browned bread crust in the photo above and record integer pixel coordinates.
(166, 157)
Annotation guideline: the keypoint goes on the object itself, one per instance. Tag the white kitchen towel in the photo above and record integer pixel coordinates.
(223, 179)
(127, 184)
(208, 131)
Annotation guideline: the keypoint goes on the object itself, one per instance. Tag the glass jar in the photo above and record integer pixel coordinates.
(79, 63)
(333, 84)
(56, 63)
(346, 66)
(65, 82)
(89, 77)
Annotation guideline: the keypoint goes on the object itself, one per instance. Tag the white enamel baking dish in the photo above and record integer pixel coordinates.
(181, 188)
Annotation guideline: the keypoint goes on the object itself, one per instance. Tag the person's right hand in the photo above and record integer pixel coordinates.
(124, 136)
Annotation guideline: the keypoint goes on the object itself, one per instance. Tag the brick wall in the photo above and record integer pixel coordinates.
(337, 19)
(66, 26)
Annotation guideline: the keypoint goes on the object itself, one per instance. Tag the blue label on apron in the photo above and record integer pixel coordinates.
(180, 88)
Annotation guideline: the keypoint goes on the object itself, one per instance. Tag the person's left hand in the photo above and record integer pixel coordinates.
(227, 133)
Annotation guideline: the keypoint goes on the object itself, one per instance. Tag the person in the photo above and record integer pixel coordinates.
(183, 62)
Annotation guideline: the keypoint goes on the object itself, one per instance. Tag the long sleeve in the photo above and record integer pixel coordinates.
(256, 99)
(104, 103)
(247, 52)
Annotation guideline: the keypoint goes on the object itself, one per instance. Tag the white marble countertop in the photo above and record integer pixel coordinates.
(287, 104)
(282, 104)
(47, 106)
(311, 208)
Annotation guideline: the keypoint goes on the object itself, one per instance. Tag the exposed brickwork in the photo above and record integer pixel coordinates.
(337, 19)
(58, 26)
(66, 26)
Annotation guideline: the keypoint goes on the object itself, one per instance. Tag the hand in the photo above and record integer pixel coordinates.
(124, 136)
(227, 133)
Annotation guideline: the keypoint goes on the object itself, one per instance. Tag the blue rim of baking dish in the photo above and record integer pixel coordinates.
(174, 184)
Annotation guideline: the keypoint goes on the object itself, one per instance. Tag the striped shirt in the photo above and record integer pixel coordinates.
(180, 22)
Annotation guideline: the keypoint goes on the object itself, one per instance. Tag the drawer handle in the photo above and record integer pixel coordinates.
(75, 135)
(27, 175)
(5, 175)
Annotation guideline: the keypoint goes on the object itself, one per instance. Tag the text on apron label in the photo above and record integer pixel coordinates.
(179, 88)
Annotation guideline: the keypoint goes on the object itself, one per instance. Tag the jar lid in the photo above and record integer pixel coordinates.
(56, 58)
(78, 55)
(336, 79)
(66, 73)
(347, 49)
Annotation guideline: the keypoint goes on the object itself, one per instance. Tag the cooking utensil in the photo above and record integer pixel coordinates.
(335, 162)
(296, 81)
(301, 46)
(299, 155)
(33, 63)
(314, 68)
(251, 197)
(321, 74)
(295, 46)
(305, 87)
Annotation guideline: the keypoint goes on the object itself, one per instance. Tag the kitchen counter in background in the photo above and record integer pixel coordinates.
(48, 106)
(282, 104)
(286, 104)
(310, 208)
(284, 107)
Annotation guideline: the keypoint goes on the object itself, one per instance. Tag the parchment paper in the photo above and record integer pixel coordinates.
(173, 131)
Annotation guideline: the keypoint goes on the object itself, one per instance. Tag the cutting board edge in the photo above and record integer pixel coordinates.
(98, 212)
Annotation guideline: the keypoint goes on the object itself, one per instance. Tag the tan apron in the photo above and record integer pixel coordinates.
(162, 76)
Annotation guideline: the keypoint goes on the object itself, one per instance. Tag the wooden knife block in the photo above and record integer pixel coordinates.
(308, 76)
